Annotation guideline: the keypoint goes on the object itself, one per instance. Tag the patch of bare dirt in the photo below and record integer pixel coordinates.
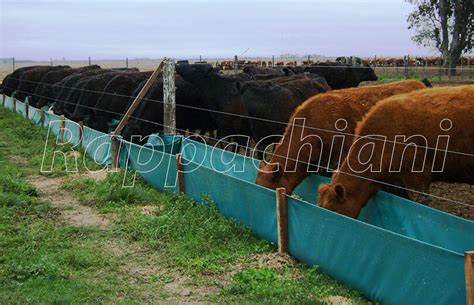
(18, 159)
(142, 264)
(73, 213)
(96, 175)
(272, 260)
(337, 300)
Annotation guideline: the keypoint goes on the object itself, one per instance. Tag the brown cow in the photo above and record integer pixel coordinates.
(414, 138)
(325, 116)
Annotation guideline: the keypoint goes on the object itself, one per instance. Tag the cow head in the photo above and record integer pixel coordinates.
(365, 73)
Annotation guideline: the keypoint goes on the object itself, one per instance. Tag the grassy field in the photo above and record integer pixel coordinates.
(82, 238)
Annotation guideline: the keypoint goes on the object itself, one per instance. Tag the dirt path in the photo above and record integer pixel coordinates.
(73, 213)
(139, 264)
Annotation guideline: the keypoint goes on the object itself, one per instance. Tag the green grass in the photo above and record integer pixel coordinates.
(43, 260)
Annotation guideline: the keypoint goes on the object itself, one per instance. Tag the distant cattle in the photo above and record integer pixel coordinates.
(403, 139)
(310, 137)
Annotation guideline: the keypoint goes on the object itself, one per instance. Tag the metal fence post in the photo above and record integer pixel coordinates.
(169, 97)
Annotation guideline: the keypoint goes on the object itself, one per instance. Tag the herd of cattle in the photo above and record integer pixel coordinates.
(259, 102)
(351, 60)
(206, 99)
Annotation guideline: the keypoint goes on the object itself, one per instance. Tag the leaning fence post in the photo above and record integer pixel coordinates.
(14, 104)
(169, 96)
(282, 220)
(61, 128)
(81, 132)
(27, 108)
(469, 272)
(180, 172)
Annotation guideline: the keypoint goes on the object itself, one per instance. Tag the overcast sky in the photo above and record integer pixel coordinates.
(106, 29)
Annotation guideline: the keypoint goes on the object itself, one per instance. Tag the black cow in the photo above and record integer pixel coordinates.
(91, 90)
(62, 89)
(271, 103)
(339, 76)
(11, 81)
(31, 78)
(44, 90)
(148, 117)
(266, 73)
(115, 100)
(221, 95)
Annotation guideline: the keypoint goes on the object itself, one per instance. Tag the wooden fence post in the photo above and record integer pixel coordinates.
(282, 220)
(180, 172)
(81, 132)
(61, 128)
(14, 104)
(42, 117)
(469, 271)
(169, 97)
(115, 150)
(27, 109)
(3, 100)
(13, 61)
(137, 100)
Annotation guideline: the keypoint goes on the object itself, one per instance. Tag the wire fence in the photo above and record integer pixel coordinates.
(386, 68)
(235, 115)
(255, 149)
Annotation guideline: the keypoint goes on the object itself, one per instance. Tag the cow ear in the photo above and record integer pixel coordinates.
(340, 191)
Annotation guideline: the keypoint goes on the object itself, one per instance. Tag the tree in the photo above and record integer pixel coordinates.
(445, 24)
